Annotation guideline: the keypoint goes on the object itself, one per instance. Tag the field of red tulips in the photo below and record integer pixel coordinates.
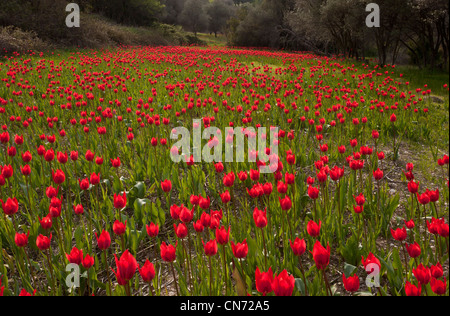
(93, 203)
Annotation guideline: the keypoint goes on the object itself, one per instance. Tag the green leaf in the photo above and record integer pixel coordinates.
(300, 286)
(349, 269)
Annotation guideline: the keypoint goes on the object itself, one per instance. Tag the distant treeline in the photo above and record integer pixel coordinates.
(411, 31)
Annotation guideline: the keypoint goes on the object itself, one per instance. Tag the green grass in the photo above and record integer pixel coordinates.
(211, 40)
(434, 79)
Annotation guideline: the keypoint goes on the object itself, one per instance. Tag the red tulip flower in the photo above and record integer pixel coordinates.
(120, 201)
(399, 234)
(186, 215)
(313, 228)
(104, 241)
(88, 262)
(21, 240)
(298, 247)
(413, 250)
(168, 252)
(283, 284)
(438, 287)
(223, 235)
(313, 192)
(75, 256)
(119, 228)
(240, 250)
(225, 197)
(204, 203)
(321, 255)
(58, 177)
(264, 281)
(351, 284)
(412, 290)
(422, 274)
(210, 248)
(152, 230)
(166, 186)
(378, 174)
(10, 207)
(126, 267)
(78, 209)
(181, 230)
(43, 242)
(286, 203)
(147, 271)
(260, 218)
(46, 222)
(437, 271)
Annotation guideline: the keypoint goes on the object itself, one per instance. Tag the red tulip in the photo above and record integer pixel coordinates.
(413, 187)
(422, 274)
(260, 218)
(115, 162)
(228, 180)
(210, 248)
(399, 234)
(413, 250)
(264, 281)
(412, 290)
(175, 212)
(423, 199)
(313, 192)
(186, 215)
(84, 184)
(78, 209)
(168, 252)
(437, 271)
(46, 222)
(222, 235)
(286, 203)
(119, 228)
(242, 176)
(360, 199)
(120, 201)
(26, 170)
(378, 174)
(204, 203)
(95, 178)
(152, 230)
(225, 197)
(62, 157)
(166, 186)
(181, 230)
(321, 255)
(298, 247)
(283, 284)
(126, 267)
(351, 284)
(21, 240)
(147, 272)
(43, 242)
(7, 171)
(24, 293)
(313, 228)
(240, 250)
(88, 262)
(198, 226)
(438, 287)
(10, 207)
(410, 224)
(104, 241)
(75, 256)
(89, 155)
(58, 177)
